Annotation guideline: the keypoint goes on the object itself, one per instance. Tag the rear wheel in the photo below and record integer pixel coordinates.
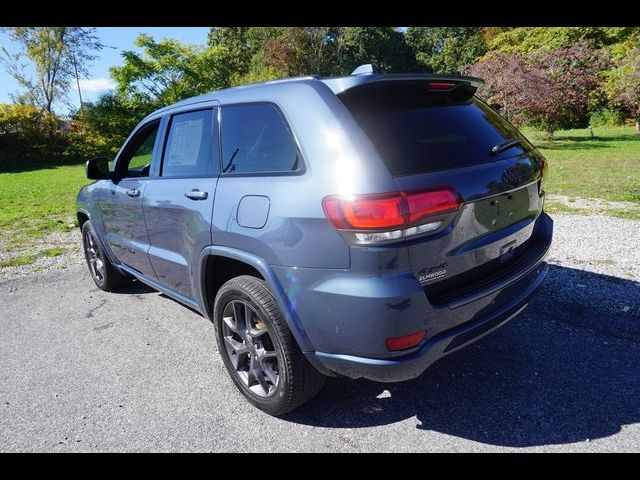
(103, 273)
(259, 350)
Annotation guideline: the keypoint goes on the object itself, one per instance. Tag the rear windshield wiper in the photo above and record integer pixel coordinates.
(505, 144)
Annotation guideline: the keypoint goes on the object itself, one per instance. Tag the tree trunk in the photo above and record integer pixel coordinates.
(638, 120)
(550, 130)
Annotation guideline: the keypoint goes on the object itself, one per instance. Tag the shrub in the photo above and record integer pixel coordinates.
(607, 117)
(83, 142)
(28, 134)
(30, 137)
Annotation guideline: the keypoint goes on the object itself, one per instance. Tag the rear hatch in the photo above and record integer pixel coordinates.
(435, 133)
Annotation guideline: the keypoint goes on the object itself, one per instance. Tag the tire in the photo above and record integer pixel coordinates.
(104, 274)
(297, 381)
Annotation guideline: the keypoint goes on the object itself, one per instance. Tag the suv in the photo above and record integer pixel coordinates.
(360, 226)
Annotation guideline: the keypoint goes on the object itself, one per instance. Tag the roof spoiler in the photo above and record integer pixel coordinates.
(363, 77)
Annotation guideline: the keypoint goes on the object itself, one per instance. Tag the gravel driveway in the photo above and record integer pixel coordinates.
(83, 370)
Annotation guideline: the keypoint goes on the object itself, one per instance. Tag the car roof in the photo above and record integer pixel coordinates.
(337, 85)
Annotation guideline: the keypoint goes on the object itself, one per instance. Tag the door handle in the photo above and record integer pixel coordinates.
(196, 194)
(133, 192)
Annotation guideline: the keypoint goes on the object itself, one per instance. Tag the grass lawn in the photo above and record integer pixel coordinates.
(34, 203)
(606, 167)
(37, 202)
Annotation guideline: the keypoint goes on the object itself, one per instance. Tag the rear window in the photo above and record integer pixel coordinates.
(255, 139)
(418, 131)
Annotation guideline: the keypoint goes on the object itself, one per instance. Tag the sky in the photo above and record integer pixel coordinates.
(98, 79)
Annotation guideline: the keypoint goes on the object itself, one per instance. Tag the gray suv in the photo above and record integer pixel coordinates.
(359, 226)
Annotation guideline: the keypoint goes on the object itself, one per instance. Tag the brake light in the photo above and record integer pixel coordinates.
(440, 85)
(388, 210)
(406, 341)
(366, 212)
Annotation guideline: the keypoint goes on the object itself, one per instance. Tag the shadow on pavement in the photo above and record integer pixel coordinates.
(135, 287)
(566, 370)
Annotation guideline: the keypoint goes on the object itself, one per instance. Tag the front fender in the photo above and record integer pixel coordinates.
(88, 203)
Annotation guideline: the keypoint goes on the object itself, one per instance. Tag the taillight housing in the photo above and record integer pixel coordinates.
(366, 212)
(390, 216)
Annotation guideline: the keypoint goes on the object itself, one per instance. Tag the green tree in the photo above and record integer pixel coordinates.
(284, 52)
(58, 54)
(623, 81)
(168, 71)
(288, 53)
(263, 53)
(384, 47)
(113, 116)
(446, 49)
(525, 40)
(240, 45)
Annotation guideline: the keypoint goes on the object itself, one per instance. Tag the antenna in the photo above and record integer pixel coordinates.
(366, 69)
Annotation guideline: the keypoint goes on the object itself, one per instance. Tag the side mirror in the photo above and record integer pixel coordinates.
(97, 168)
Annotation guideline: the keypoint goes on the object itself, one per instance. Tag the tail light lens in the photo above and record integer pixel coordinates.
(431, 203)
(366, 212)
(389, 211)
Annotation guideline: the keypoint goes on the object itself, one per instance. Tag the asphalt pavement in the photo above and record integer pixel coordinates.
(85, 370)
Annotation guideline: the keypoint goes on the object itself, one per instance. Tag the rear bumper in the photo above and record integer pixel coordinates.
(412, 365)
(346, 315)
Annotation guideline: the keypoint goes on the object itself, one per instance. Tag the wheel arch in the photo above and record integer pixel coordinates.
(83, 216)
(258, 265)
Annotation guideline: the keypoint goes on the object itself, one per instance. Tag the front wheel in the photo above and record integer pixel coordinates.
(259, 350)
(103, 273)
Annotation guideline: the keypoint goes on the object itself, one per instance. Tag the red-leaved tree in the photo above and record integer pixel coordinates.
(551, 89)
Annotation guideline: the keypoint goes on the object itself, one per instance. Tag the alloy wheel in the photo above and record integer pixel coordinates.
(96, 265)
(250, 348)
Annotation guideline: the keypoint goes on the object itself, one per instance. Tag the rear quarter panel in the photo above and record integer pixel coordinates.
(338, 159)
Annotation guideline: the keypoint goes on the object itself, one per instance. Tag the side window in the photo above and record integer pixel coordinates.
(136, 161)
(256, 139)
(189, 145)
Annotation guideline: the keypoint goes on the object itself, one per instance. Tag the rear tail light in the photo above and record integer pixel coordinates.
(430, 203)
(366, 212)
(405, 341)
(390, 216)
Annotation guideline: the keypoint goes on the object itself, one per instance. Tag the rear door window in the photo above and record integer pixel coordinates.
(418, 131)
